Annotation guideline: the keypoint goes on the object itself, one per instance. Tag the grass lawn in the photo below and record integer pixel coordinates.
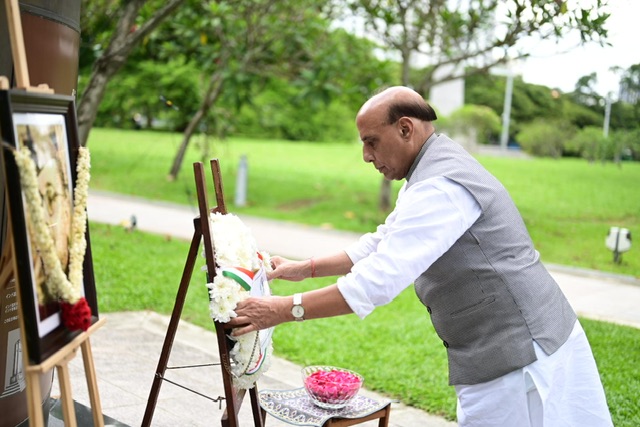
(395, 348)
(568, 205)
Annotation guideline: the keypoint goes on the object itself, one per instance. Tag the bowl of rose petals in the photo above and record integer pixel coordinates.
(330, 387)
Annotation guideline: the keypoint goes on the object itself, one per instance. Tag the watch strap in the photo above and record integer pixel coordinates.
(297, 299)
(297, 309)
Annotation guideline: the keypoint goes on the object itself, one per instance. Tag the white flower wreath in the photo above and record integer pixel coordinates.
(240, 273)
(76, 313)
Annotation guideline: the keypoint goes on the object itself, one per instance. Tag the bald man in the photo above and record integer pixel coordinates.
(516, 351)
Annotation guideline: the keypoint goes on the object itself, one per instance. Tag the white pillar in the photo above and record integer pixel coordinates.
(241, 182)
(607, 117)
(506, 113)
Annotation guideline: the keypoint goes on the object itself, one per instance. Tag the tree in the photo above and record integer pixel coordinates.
(239, 45)
(585, 92)
(630, 85)
(161, 94)
(626, 112)
(244, 49)
(484, 34)
(319, 103)
(531, 101)
(130, 30)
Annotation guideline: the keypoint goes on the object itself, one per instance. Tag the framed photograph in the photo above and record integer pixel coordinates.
(45, 124)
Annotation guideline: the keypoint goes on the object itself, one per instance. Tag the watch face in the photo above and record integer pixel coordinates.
(297, 311)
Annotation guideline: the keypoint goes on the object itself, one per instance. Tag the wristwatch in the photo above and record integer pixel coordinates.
(297, 310)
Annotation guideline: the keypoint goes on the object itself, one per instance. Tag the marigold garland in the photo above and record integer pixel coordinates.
(76, 313)
(238, 259)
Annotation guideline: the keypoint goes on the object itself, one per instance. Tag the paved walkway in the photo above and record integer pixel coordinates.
(126, 350)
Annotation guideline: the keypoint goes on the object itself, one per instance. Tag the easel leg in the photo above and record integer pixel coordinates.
(66, 400)
(33, 393)
(259, 414)
(173, 325)
(92, 384)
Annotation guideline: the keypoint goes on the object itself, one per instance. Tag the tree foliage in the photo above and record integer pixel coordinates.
(482, 33)
(134, 23)
(243, 45)
(451, 38)
(234, 66)
(630, 85)
(161, 96)
(529, 102)
(585, 91)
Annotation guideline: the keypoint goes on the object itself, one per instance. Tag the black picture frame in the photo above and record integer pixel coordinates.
(47, 124)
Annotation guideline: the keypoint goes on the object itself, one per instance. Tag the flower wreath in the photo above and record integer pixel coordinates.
(240, 273)
(76, 313)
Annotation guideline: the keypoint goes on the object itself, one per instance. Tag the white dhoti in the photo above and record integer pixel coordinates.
(563, 389)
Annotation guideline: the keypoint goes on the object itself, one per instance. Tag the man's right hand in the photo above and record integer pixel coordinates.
(286, 269)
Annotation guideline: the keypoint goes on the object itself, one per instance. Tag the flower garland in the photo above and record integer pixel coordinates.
(76, 313)
(238, 264)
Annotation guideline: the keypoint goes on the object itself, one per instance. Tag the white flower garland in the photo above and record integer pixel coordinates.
(58, 285)
(235, 247)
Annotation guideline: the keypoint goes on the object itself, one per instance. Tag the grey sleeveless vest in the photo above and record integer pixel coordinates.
(489, 296)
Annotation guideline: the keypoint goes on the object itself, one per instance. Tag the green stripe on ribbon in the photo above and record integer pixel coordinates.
(234, 276)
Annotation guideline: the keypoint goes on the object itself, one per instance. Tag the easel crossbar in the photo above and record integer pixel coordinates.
(218, 399)
(67, 352)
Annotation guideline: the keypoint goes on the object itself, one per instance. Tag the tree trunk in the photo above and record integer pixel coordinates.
(92, 96)
(385, 186)
(125, 37)
(211, 95)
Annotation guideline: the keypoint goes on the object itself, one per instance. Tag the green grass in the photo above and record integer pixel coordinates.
(568, 205)
(395, 348)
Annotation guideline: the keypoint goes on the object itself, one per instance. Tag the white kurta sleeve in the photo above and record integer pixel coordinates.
(429, 217)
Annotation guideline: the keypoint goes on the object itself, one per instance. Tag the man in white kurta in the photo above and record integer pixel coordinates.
(431, 215)
(563, 389)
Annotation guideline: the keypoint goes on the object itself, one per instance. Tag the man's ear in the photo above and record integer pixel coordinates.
(405, 126)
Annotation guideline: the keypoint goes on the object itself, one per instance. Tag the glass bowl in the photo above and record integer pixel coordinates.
(330, 387)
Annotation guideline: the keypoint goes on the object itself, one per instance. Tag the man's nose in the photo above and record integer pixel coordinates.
(366, 154)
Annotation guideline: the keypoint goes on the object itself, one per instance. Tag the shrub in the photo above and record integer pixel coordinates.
(545, 138)
(469, 119)
(589, 143)
(629, 144)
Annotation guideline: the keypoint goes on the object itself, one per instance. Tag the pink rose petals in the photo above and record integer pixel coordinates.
(332, 387)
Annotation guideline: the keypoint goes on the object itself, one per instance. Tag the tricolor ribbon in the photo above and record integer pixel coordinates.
(241, 275)
(257, 366)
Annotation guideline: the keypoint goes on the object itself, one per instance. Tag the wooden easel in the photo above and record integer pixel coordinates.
(61, 358)
(18, 51)
(233, 396)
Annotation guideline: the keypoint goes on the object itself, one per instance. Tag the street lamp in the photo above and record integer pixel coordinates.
(506, 112)
(510, 70)
(607, 116)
